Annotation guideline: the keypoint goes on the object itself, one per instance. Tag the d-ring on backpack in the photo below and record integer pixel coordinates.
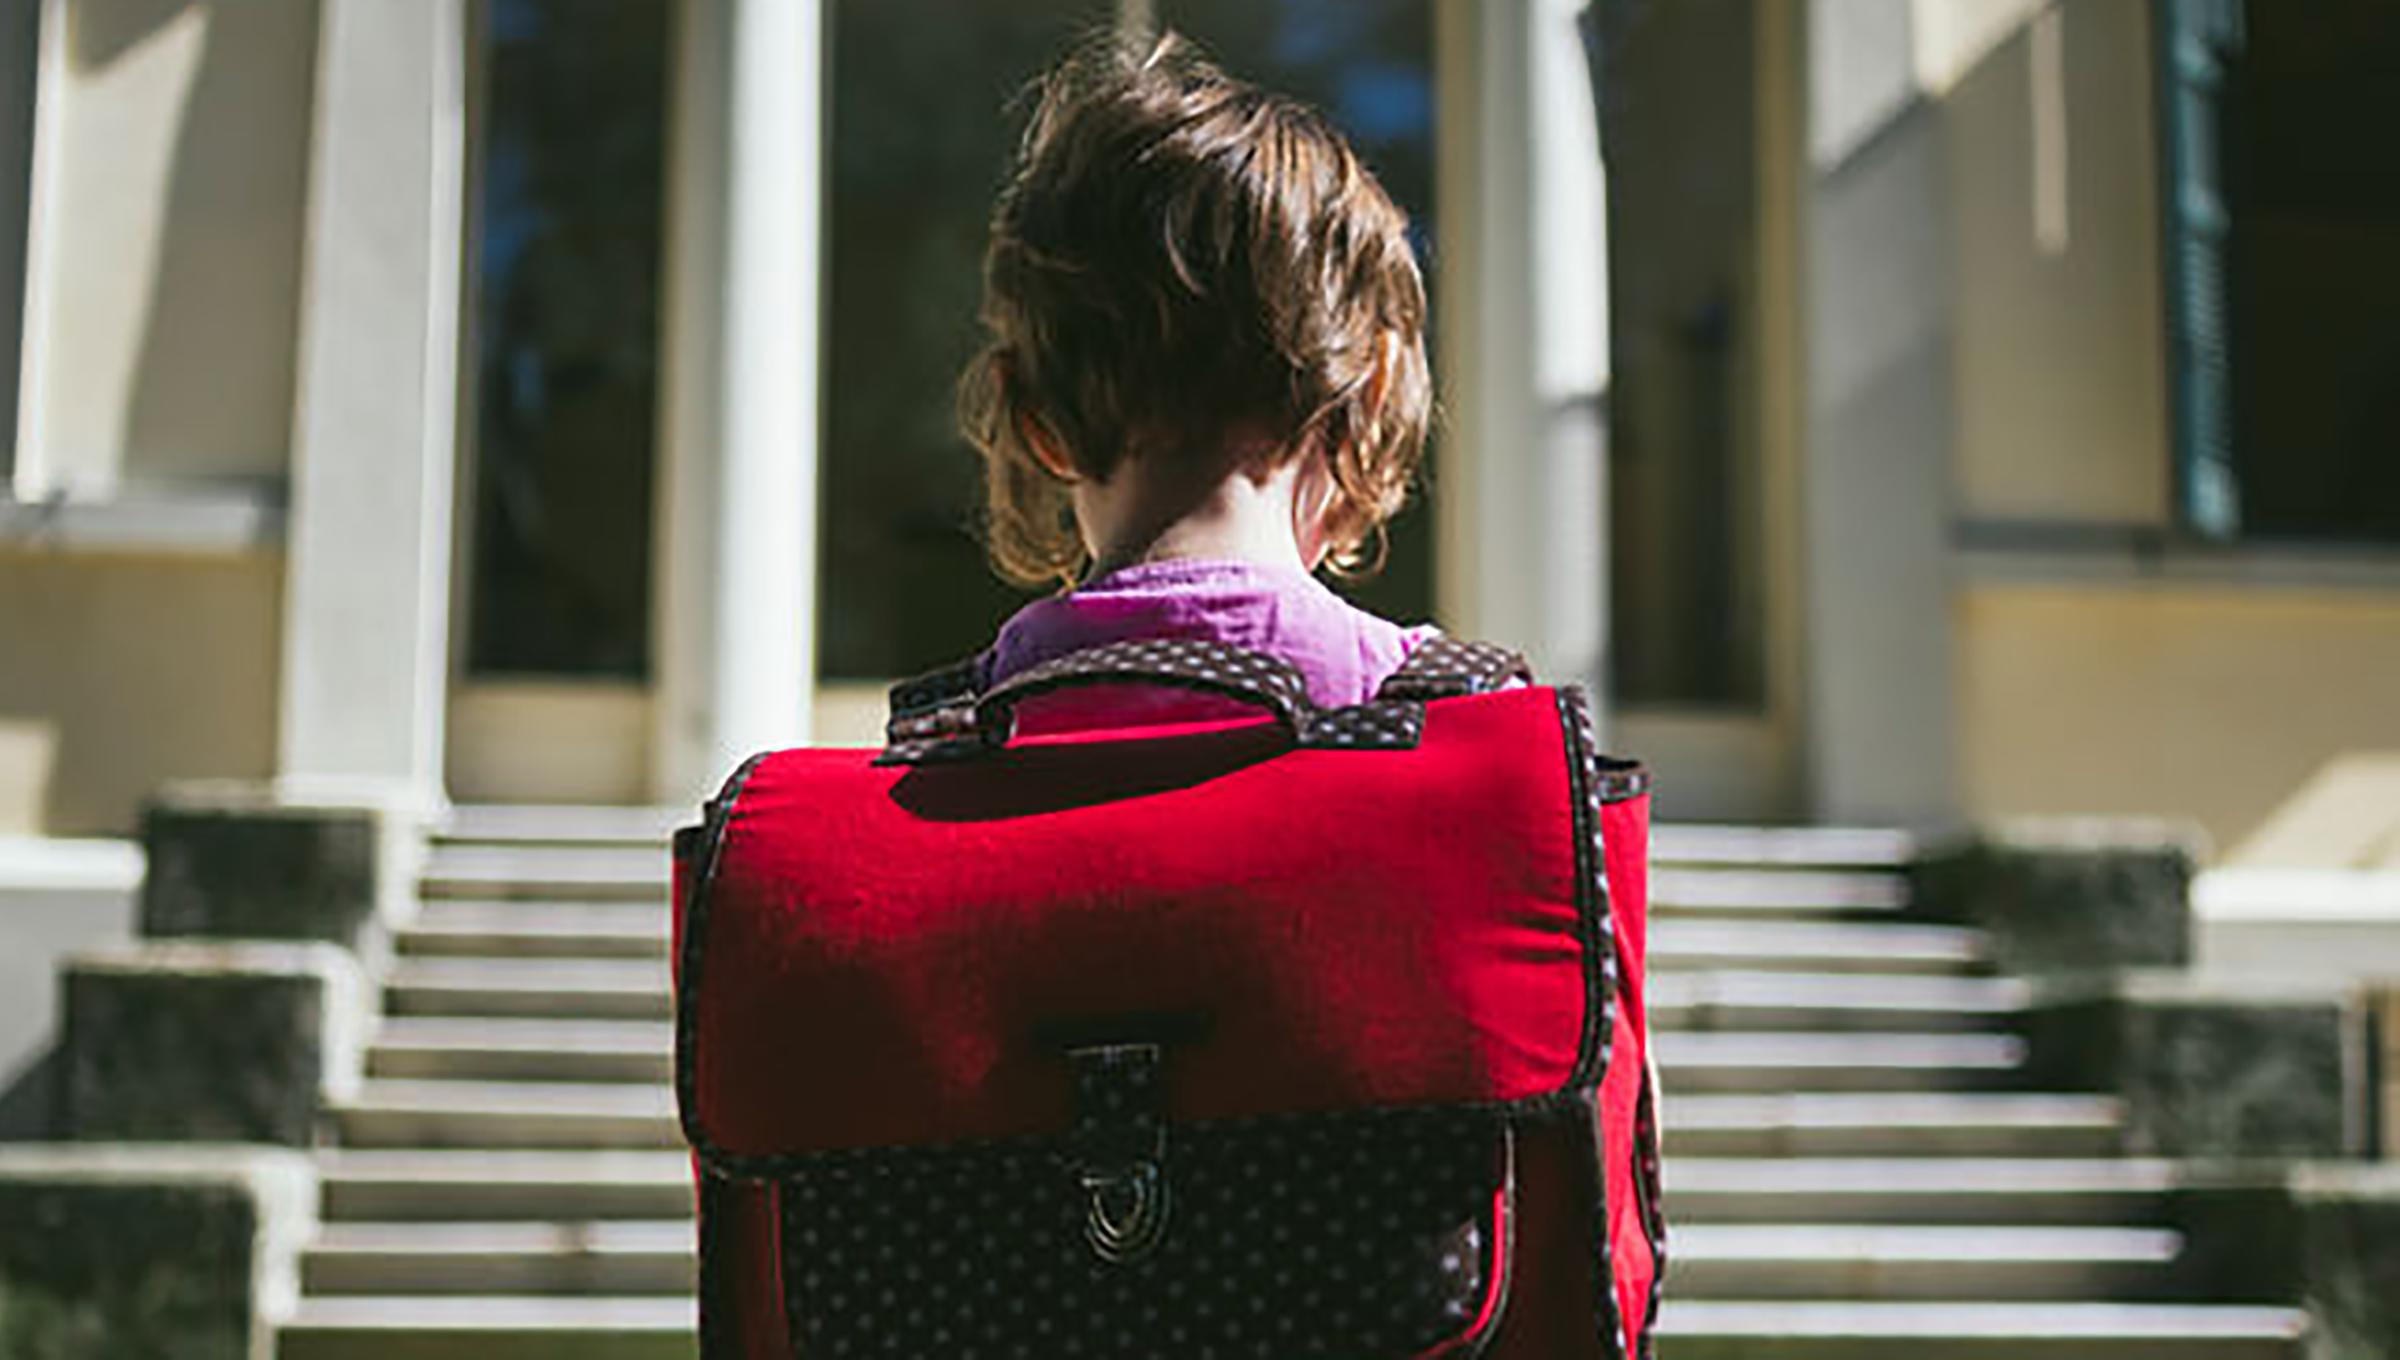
(1313, 1037)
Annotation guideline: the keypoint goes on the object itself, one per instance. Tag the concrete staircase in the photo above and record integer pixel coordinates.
(1854, 1171)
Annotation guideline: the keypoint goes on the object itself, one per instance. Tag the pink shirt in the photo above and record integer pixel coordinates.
(1342, 651)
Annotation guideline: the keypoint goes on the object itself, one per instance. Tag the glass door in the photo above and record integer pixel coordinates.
(1700, 235)
(551, 631)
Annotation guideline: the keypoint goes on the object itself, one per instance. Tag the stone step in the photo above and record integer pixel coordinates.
(566, 929)
(491, 1183)
(1919, 1261)
(482, 1048)
(554, 866)
(563, 823)
(1670, 842)
(1949, 1124)
(514, 1183)
(415, 1327)
(504, 929)
(1703, 1060)
(409, 1113)
(571, 1257)
(1679, 944)
(1955, 1190)
(567, 989)
(1780, 1329)
(1789, 846)
(1770, 1260)
(393, 1113)
(1756, 1000)
(546, 871)
(636, 989)
(1769, 893)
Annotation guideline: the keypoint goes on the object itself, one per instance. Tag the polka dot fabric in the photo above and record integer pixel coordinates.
(940, 717)
(1444, 667)
(1356, 1236)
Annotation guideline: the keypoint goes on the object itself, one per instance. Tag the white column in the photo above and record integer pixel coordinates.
(366, 636)
(1877, 395)
(1521, 485)
(739, 419)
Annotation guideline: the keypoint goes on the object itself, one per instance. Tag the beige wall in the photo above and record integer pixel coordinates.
(2215, 702)
(2059, 396)
(171, 173)
(119, 671)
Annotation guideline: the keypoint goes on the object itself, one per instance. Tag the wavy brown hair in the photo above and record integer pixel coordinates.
(1186, 265)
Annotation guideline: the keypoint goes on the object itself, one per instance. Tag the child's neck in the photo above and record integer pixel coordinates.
(1238, 519)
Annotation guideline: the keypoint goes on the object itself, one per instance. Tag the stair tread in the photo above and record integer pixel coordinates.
(530, 975)
(1682, 1048)
(1723, 843)
(496, 1312)
(519, 1034)
(571, 823)
(596, 864)
(509, 1237)
(1837, 991)
(452, 913)
(1946, 944)
(1776, 1048)
(464, 926)
(1777, 890)
(2007, 1320)
(1954, 1175)
(1890, 1109)
(1923, 1243)
(530, 1097)
(1671, 842)
(504, 1165)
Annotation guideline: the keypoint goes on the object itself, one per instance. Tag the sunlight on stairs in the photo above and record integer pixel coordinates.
(1854, 1171)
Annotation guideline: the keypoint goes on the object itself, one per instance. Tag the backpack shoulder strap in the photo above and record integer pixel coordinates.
(944, 687)
(1444, 667)
(936, 708)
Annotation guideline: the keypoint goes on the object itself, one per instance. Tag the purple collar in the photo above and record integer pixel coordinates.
(1342, 651)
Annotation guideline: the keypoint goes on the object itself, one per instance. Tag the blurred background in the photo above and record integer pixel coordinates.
(1903, 410)
(1903, 414)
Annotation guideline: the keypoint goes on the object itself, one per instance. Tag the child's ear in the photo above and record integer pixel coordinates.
(1046, 447)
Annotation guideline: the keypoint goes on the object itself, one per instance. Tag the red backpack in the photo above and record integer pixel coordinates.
(1319, 1036)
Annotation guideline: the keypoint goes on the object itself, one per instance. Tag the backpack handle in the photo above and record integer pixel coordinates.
(953, 722)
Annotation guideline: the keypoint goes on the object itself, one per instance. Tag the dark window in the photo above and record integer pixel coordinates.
(20, 64)
(2283, 264)
(922, 126)
(564, 313)
(922, 129)
(1686, 610)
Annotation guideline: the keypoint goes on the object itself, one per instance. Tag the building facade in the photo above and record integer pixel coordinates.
(498, 400)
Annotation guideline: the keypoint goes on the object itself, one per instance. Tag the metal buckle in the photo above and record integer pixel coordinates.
(1119, 1150)
(1125, 1212)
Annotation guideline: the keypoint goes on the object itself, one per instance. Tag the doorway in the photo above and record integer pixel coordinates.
(1701, 152)
(552, 663)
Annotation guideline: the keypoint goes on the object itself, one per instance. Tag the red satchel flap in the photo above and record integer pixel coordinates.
(877, 955)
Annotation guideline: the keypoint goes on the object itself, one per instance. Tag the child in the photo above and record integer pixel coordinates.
(1365, 1084)
(1204, 375)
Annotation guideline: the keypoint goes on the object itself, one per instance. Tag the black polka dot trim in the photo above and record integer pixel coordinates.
(941, 717)
(1444, 667)
(1349, 1237)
